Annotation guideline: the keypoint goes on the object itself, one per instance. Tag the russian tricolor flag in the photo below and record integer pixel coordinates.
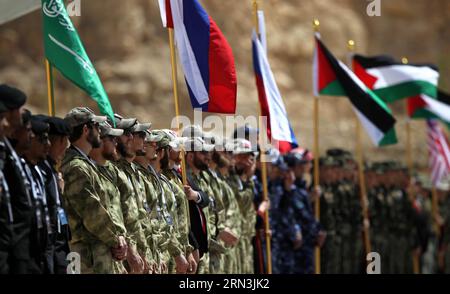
(279, 130)
(206, 57)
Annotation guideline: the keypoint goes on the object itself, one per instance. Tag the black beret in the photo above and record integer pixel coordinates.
(59, 126)
(38, 126)
(12, 98)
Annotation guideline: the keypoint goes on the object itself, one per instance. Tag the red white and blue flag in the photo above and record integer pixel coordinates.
(206, 57)
(279, 130)
(439, 151)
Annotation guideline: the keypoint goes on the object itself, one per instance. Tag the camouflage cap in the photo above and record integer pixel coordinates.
(271, 154)
(327, 161)
(140, 127)
(197, 144)
(176, 142)
(192, 131)
(82, 115)
(124, 123)
(424, 181)
(241, 146)
(107, 130)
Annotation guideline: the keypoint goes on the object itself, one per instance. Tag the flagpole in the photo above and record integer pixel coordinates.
(316, 25)
(359, 154)
(409, 160)
(410, 165)
(263, 165)
(173, 62)
(50, 92)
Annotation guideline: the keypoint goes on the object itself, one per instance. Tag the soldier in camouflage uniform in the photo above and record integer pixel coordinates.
(232, 214)
(330, 253)
(400, 216)
(225, 238)
(241, 180)
(101, 157)
(170, 201)
(196, 162)
(94, 234)
(140, 258)
(349, 212)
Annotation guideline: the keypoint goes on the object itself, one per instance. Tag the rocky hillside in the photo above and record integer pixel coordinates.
(129, 47)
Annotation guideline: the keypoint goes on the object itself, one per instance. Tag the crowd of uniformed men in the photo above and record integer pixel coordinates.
(113, 193)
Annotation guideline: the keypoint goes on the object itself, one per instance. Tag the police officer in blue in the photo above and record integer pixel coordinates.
(312, 234)
(286, 230)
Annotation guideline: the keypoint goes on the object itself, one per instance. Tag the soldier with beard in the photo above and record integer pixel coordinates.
(244, 190)
(138, 247)
(94, 235)
(58, 246)
(173, 172)
(222, 164)
(130, 144)
(101, 157)
(172, 203)
(224, 236)
(196, 162)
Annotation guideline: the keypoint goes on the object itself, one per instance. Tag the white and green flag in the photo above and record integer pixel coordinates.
(65, 51)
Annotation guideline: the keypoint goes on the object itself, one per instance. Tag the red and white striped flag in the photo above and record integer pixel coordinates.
(439, 152)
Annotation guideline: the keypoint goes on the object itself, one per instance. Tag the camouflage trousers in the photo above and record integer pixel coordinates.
(96, 258)
(245, 248)
(216, 263)
(230, 261)
(351, 253)
(401, 255)
(330, 254)
(203, 264)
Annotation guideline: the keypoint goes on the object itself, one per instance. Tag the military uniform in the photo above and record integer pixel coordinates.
(93, 230)
(130, 171)
(244, 193)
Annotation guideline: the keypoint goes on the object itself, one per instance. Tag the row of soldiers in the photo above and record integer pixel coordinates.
(112, 192)
(402, 227)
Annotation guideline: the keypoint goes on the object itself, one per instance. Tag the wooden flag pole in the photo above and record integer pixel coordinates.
(173, 62)
(263, 165)
(316, 25)
(410, 165)
(409, 160)
(50, 92)
(362, 182)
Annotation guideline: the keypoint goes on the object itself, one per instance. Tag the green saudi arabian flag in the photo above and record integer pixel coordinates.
(65, 51)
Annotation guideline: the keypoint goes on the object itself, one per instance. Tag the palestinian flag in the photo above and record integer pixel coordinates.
(426, 107)
(392, 80)
(332, 77)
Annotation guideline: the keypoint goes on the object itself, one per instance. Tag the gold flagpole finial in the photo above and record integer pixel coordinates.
(351, 45)
(316, 24)
(404, 60)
